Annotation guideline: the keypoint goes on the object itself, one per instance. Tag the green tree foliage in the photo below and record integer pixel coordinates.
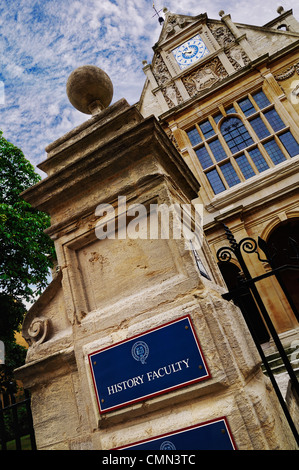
(26, 251)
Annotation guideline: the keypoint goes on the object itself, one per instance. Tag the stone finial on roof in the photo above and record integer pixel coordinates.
(280, 10)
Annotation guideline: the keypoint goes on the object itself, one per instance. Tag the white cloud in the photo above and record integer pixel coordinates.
(2, 93)
(42, 42)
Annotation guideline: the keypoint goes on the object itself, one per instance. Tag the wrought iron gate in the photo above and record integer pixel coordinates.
(247, 286)
(11, 429)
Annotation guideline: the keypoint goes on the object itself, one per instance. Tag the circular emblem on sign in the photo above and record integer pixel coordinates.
(167, 445)
(140, 351)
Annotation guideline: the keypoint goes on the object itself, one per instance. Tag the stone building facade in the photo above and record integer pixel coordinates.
(227, 96)
(113, 294)
(110, 291)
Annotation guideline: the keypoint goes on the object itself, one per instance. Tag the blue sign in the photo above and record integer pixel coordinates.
(211, 435)
(155, 362)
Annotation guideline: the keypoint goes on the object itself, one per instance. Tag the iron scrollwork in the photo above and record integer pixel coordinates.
(224, 254)
(248, 245)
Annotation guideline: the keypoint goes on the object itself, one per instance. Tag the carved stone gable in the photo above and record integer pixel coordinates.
(175, 23)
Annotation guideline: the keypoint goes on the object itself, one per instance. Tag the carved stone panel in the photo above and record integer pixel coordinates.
(160, 70)
(289, 72)
(105, 267)
(237, 57)
(205, 77)
(172, 95)
(222, 35)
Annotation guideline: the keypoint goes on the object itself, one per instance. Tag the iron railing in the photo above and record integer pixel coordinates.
(246, 286)
(11, 429)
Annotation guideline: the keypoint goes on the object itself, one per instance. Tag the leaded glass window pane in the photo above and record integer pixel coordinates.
(246, 106)
(261, 99)
(204, 157)
(274, 152)
(245, 166)
(194, 136)
(215, 181)
(235, 134)
(259, 127)
(230, 109)
(230, 174)
(290, 144)
(218, 117)
(218, 150)
(206, 129)
(274, 120)
(258, 160)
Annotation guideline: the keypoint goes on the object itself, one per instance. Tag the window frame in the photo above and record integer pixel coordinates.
(257, 142)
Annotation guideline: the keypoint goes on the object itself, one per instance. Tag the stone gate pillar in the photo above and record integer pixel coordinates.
(132, 345)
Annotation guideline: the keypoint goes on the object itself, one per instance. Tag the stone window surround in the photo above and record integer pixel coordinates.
(232, 196)
(233, 193)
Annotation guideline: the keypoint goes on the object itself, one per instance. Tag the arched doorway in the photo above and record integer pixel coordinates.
(246, 303)
(283, 246)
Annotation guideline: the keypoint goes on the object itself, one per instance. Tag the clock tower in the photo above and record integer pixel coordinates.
(186, 60)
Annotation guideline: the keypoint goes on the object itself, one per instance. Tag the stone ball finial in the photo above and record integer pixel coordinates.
(280, 10)
(221, 13)
(89, 89)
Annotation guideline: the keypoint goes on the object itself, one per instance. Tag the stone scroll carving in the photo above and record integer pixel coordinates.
(38, 331)
(236, 55)
(205, 77)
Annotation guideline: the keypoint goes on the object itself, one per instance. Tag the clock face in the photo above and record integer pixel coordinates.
(191, 51)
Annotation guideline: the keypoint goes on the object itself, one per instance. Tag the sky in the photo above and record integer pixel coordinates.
(43, 41)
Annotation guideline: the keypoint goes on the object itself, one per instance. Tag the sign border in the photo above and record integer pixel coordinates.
(178, 431)
(160, 392)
